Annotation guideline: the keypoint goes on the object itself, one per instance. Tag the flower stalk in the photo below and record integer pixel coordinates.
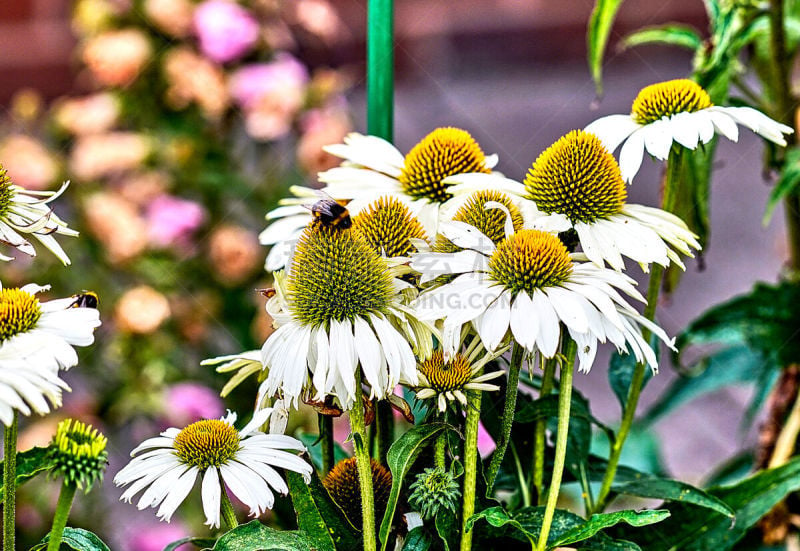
(380, 69)
(10, 483)
(548, 378)
(326, 442)
(517, 356)
(359, 430)
(228, 514)
(470, 464)
(61, 515)
(564, 403)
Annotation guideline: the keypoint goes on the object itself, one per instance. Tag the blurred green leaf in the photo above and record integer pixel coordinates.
(77, 539)
(670, 34)
(600, 23)
(29, 464)
(401, 456)
(255, 536)
(692, 528)
(787, 184)
(318, 516)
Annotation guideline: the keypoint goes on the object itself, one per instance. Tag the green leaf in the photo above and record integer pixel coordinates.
(606, 520)
(77, 539)
(318, 516)
(789, 183)
(311, 442)
(400, 457)
(691, 528)
(600, 23)
(418, 540)
(672, 490)
(254, 536)
(670, 34)
(201, 543)
(448, 528)
(29, 464)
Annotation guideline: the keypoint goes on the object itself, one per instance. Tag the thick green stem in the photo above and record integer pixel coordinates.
(517, 355)
(359, 430)
(440, 449)
(564, 402)
(470, 465)
(548, 376)
(61, 515)
(384, 424)
(325, 423)
(228, 514)
(380, 69)
(669, 199)
(9, 483)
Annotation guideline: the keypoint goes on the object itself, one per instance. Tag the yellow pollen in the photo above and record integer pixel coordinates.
(530, 260)
(577, 177)
(207, 443)
(442, 153)
(388, 227)
(665, 99)
(446, 376)
(19, 312)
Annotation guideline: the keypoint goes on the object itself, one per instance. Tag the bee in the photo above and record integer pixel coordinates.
(87, 299)
(330, 213)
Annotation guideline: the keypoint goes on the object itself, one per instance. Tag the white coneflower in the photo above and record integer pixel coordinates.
(245, 461)
(677, 111)
(23, 212)
(36, 341)
(340, 309)
(528, 287)
(373, 168)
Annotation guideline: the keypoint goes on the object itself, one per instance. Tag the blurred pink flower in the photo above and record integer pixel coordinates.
(190, 402)
(172, 221)
(226, 30)
(156, 536)
(485, 443)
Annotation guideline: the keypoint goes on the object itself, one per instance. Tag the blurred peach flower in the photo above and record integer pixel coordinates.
(172, 220)
(28, 163)
(174, 17)
(140, 188)
(226, 31)
(99, 155)
(93, 114)
(321, 127)
(318, 17)
(270, 95)
(234, 253)
(192, 78)
(116, 223)
(141, 310)
(115, 58)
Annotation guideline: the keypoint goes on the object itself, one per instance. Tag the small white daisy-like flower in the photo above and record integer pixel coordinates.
(529, 287)
(677, 111)
(338, 310)
(374, 168)
(245, 461)
(447, 380)
(23, 212)
(36, 341)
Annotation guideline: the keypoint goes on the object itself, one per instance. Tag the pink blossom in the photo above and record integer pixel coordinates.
(226, 30)
(155, 536)
(190, 402)
(251, 83)
(172, 221)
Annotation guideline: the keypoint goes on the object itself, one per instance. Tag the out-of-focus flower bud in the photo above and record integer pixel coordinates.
(186, 403)
(173, 17)
(141, 310)
(100, 155)
(321, 127)
(194, 79)
(234, 253)
(116, 223)
(28, 163)
(93, 114)
(172, 220)
(115, 58)
(226, 30)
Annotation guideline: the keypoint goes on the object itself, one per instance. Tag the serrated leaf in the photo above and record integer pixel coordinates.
(670, 34)
(600, 23)
(691, 528)
(788, 183)
(598, 522)
(401, 456)
(318, 516)
(77, 539)
(315, 448)
(200, 543)
(672, 490)
(254, 536)
(29, 464)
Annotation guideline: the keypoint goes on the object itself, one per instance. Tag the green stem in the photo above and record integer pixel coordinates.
(380, 69)
(470, 465)
(564, 402)
(325, 423)
(517, 355)
(228, 515)
(548, 377)
(523, 483)
(384, 425)
(359, 430)
(439, 450)
(61, 515)
(10, 483)
(669, 200)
